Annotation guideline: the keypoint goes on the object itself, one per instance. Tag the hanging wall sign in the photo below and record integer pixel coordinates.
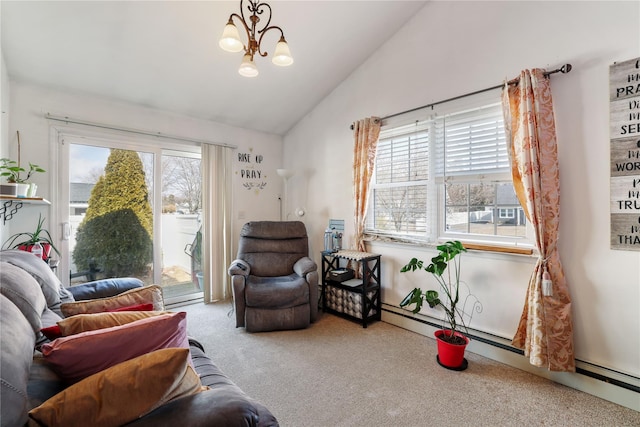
(624, 111)
(250, 171)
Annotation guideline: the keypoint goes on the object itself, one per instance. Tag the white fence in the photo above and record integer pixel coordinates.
(177, 232)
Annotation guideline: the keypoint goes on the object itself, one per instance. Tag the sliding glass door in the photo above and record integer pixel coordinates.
(131, 209)
(182, 273)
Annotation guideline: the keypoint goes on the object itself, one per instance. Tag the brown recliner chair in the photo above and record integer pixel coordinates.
(274, 282)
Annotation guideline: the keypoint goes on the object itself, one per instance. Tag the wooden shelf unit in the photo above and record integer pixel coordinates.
(355, 299)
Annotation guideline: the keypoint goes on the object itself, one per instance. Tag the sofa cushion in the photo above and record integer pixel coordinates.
(39, 270)
(49, 317)
(94, 321)
(15, 362)
(271, 248)
(121, 393)
(104, 288)
(267, 319)
(151, 294)
(291, 291)
(23, 290)
(43, 382)
(78, 356)
(225, 404)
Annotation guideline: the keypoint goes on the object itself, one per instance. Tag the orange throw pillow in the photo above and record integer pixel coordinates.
(151, 294)
(122, 393)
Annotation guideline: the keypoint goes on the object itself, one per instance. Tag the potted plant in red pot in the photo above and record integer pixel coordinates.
(27, 240)
(445, 268)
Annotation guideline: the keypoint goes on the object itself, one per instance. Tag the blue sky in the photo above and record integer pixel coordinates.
(85, 158)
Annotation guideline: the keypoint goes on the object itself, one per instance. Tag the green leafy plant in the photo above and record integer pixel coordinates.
(116, 243)
(116, 231)
(12, 169)
(26, 239)
(445, 268)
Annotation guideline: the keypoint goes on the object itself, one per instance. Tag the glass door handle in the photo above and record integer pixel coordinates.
(66, 231)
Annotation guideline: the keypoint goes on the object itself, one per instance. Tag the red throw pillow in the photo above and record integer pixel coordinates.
(78, 356)
(52, 332)
(137, 307)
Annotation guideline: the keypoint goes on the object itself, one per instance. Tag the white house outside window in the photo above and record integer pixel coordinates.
(507, 213)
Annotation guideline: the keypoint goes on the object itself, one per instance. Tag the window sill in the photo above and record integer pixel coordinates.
(470, 245)
(497, 248)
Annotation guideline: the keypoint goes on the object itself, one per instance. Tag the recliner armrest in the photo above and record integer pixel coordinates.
(304, 265)
(239, 268)
(104, 288)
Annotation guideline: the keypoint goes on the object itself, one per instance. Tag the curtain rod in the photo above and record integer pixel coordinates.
(564, 70)
(136, 131)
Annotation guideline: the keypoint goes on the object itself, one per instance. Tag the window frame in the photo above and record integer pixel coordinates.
(435, 209)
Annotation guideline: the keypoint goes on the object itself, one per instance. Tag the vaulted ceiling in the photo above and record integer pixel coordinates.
(165, 54)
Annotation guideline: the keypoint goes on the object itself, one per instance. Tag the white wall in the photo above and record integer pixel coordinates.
(452, 48)
(30, 104)
(4, 122)
(4, 99)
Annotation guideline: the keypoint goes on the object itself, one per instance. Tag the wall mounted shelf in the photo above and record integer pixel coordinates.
(11, 205)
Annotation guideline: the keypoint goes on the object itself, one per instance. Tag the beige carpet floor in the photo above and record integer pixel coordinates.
(336, 373)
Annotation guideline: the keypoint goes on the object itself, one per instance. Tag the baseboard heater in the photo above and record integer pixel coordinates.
(397, 311)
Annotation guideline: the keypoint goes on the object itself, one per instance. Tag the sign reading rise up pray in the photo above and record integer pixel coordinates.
(624, 106)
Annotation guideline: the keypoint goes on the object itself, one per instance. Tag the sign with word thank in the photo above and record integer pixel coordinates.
(624, 119)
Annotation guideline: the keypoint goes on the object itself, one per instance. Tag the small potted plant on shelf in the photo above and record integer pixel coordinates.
(25, 241)
(445, 268)
(16, 185)
(10, 169)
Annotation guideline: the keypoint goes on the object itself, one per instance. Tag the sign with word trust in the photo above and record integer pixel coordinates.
(624, 113)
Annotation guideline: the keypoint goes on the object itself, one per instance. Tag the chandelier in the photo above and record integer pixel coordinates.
(230, 40)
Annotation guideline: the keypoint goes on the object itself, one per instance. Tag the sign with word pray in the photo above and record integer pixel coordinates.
(624, 119)
(250, 171)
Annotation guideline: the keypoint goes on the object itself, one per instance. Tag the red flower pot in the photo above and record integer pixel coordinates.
(451, 355)
(46, 249)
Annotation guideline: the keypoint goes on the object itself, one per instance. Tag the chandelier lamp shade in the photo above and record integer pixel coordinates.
(231, 42)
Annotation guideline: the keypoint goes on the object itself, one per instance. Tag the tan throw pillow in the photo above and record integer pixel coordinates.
(94, 321)
(151, 294)
(122, 393)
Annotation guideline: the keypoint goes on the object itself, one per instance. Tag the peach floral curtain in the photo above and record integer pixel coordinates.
(545, 331)
(365, 133)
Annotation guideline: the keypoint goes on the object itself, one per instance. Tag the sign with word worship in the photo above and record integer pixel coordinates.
(624, 119)
(250, 171)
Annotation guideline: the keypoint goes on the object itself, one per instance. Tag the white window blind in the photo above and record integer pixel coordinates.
(403, 155)
(473, 142)
(401, 174)
(446, 176)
